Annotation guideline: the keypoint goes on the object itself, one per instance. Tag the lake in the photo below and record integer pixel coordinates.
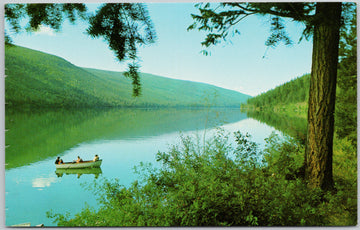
(121, 137)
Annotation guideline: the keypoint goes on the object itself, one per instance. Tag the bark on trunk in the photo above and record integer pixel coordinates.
(319, 145)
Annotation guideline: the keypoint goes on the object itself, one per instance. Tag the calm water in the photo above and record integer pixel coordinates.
(122, 138)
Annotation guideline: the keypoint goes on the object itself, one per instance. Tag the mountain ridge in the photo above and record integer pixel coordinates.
(38, 79)
(170, 78)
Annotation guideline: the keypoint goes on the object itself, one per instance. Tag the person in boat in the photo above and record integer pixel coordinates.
(79, 160)
(59, 161)
(96, 158)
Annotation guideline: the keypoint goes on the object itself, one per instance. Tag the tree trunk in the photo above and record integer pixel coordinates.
(319, 145)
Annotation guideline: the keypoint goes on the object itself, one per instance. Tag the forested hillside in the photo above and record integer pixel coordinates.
(294, 91)
(36, 79)
(291, 97)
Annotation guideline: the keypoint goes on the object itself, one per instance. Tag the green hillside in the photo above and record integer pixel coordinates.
(294, 91)
(37, 79)
(291, 99)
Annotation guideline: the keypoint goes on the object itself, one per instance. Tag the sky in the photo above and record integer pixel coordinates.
(242, 63)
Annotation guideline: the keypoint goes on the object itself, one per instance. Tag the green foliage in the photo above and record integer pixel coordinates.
(51, 15)
(284, 157)
(278, 33)
(343, 205)
(346, 104)
(134, 75)
(345, 164)
(220, 185)
(36, 79)
(124, 26)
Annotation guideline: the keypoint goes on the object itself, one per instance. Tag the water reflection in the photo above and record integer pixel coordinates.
(37, 135)
(295, 127)
(78, 172)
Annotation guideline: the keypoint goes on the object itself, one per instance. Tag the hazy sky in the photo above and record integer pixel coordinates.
(244, 63)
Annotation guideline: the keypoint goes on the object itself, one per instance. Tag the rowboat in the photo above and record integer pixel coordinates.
(80, 165)
(27, 225)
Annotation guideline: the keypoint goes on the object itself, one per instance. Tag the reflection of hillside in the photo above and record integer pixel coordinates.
(37, 135)
(294, 126)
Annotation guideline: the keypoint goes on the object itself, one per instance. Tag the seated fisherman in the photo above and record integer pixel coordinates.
(96, 158)
(79, 160)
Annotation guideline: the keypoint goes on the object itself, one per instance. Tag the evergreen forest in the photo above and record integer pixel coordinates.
(292, 92)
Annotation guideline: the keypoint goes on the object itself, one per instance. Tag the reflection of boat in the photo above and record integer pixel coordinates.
(22, 225)
(96, 171)
(80, 165)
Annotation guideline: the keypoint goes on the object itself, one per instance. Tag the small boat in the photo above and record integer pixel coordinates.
(80, 165)
(26, 225)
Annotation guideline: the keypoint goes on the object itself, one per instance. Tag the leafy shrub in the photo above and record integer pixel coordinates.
(219, 184)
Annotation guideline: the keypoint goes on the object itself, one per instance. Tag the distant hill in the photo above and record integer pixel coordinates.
(37, 79)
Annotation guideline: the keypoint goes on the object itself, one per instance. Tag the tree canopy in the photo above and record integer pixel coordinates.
(123, 26)
(219, 20)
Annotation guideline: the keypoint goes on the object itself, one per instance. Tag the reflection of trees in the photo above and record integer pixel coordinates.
(40, 134)
(293, 126)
